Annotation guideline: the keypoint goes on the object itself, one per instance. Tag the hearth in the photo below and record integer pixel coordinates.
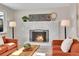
(39, 35)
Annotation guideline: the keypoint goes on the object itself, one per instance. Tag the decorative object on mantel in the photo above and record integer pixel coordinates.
(53, 16)
(39, 17)
(27, 46)
(25, 18)
(65, 23)
(12, 24)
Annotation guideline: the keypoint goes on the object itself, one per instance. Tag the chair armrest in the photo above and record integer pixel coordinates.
(12, 41)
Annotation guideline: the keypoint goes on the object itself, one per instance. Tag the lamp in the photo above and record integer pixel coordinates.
(65, 23)
(12, 24)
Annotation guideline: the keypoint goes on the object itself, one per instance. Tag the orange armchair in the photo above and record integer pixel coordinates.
(74, 50)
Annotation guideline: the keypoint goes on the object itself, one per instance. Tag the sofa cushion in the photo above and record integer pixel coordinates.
(10, 45)
(3, 49)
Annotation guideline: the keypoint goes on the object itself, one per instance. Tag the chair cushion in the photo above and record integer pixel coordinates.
(10, 45)
(56, 47)
(66, 45)
(3, 49)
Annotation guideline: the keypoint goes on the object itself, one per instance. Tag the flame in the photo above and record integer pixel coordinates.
(39, 38)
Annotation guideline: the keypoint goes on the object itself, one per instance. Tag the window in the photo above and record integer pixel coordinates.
(1, 21)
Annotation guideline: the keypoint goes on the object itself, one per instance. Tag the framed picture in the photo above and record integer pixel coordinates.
(39, 17)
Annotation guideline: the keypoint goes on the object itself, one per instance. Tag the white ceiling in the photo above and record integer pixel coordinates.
(24, 6)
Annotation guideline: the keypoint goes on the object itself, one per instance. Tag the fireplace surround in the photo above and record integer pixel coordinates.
(39, 35)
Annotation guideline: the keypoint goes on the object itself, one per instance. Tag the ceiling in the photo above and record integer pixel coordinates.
(24, 6)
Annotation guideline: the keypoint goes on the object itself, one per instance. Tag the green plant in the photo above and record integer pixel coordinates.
(27, 46)
(25, 18)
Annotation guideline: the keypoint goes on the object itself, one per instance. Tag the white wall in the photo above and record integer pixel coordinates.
(62, 13)
(9, 14)
(72, 31)
(21, 29)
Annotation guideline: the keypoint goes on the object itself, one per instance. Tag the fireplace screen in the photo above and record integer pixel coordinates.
(39, 36)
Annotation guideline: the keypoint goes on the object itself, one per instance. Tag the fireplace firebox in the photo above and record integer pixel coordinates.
(39, 35)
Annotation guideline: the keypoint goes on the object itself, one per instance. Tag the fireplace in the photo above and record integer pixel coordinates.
(39, 35)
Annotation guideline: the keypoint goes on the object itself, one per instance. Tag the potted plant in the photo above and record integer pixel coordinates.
(25, 18)
(27, 46)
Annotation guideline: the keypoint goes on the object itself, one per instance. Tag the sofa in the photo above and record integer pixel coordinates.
(74, 50)
(9, 46)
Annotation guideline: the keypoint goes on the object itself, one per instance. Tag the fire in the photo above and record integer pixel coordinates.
(39, 38)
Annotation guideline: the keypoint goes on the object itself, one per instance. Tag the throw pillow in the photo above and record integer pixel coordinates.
(4, 39)
(1, 41)
(66, 45)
